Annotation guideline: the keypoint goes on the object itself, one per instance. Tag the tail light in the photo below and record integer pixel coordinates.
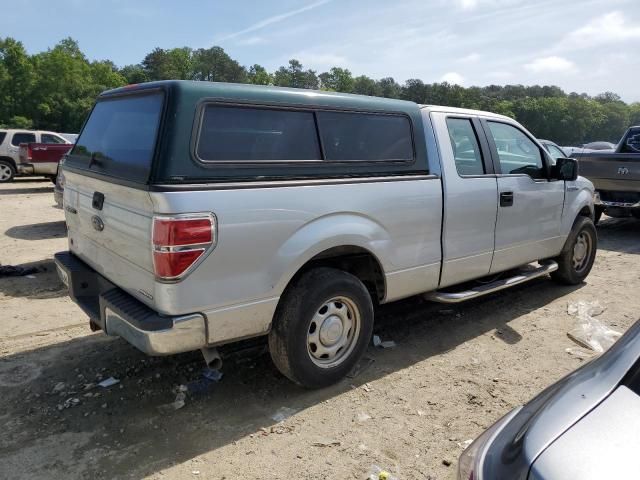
(180, 242)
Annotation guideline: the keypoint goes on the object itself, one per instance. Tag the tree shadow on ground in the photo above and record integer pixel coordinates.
(38, 231)
(20, 191)
(619, 235)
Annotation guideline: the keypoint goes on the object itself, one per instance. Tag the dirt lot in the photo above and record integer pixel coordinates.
(454, 372)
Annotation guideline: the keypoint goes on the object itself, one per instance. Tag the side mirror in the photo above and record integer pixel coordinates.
(565, 169)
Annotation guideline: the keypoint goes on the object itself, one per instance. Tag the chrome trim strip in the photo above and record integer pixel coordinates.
(287, 183)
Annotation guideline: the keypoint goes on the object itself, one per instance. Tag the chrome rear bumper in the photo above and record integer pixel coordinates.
(119, 314)
(185, 334)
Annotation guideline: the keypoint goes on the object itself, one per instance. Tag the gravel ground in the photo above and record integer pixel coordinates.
(410, 409)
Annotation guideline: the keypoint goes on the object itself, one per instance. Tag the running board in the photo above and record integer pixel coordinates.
(457, 297)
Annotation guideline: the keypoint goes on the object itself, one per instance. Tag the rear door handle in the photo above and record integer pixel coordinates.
(506, 199)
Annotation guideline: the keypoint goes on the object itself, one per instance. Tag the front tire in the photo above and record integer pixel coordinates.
(322, 327)
(578, 254)
(7, 171)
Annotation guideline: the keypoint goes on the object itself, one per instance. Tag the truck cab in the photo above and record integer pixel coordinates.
(200, 214)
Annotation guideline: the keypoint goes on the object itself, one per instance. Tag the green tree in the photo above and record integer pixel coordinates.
(414, 90)
(214, 65)
(105, 75)
(634, 114)
(55, 89)
(16, 79)
(364, 85)
(18, 121)
(295, 76)
(258, 75)
(616, 122)
(134, 74)
(389, 88)
(337, 79)
(174, 64)
(67, 84)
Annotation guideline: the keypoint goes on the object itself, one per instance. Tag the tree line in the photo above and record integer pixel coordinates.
(55, 89)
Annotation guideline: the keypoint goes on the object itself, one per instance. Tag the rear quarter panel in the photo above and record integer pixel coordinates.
(266, 234)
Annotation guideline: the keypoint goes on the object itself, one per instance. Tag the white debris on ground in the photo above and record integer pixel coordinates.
(379, 343)
(109, 382)
(178, 403)
(579, 353)
(282, 414)
(589, 332)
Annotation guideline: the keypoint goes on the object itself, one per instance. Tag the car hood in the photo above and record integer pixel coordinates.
(603, 444)
(543, 420)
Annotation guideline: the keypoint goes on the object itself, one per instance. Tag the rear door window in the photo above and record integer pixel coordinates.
(22, 137)
(348, 137)
(242, 134)
(119, 137)
(466, 149)
(2, 136)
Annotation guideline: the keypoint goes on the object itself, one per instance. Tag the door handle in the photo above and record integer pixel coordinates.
(506, 199)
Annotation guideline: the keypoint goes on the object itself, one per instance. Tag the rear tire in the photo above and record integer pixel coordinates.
(7, 171)
(578, 254)
(321, 328)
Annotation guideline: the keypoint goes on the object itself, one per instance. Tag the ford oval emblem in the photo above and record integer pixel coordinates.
(97, 223)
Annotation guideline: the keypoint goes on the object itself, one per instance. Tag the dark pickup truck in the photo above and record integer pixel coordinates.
(616, 176)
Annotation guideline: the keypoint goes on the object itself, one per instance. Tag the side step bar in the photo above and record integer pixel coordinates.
(523, 276)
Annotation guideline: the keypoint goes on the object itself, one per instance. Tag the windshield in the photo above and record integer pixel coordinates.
(120, 136)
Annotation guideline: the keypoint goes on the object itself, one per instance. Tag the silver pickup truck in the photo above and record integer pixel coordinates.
(200, 214)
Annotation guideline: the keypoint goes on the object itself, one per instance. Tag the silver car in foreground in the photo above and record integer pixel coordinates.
(586, 426)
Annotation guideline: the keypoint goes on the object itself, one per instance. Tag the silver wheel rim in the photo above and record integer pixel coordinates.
(5, 172)
(581, 251)
(333, 332)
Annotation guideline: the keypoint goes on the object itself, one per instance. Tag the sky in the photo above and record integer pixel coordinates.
(579, 45)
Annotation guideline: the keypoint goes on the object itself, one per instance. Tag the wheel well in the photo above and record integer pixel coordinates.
(357, 261)
(10, 160)
(586, 212)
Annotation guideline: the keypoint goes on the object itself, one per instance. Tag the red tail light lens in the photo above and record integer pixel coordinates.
(179, 242)
(175, 232)
(174, 264)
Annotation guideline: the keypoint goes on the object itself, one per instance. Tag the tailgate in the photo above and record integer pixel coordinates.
(48, 152)
(107, 204)
(115, 240)
(612, 171)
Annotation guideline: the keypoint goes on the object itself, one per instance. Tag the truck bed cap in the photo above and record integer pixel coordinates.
(272, 95)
